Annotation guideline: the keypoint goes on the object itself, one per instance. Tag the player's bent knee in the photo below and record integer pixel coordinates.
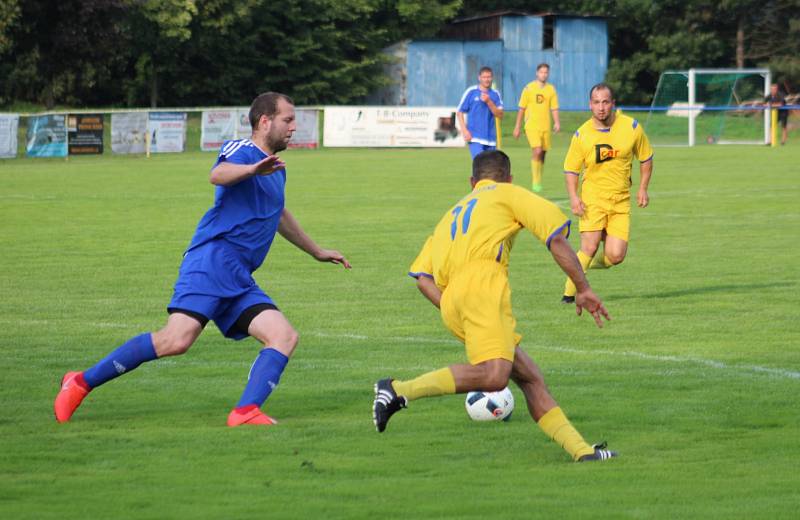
(615, 258)
(589, 249)
(495, 378)
(284, 340)
(170, 344)
(292, 339)
(495, 383)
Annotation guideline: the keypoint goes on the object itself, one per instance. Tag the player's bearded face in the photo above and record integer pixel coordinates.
(282, 127)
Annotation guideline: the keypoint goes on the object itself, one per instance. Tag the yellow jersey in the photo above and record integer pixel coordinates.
(605, 156)
(538, 101)
(483, 226)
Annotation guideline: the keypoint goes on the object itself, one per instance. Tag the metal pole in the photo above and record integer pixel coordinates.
(767, 116)
(692, 114)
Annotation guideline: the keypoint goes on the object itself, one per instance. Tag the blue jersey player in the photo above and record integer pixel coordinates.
(481, 104)
(215, 279)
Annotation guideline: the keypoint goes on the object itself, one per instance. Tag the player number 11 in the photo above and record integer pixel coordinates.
(464, 220)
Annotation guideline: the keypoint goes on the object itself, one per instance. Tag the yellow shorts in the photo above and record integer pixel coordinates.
(611, 213)
(476, 307)
(538, 138)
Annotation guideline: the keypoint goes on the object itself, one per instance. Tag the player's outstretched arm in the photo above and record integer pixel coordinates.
(518, 124)
(463, 125)
(429, 289)
(645, 172)
(585, 298)
(576, 204)
(227, 174)
(290, 229)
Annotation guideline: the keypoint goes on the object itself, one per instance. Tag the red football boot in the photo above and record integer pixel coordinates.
(249, 415)
(69, 397)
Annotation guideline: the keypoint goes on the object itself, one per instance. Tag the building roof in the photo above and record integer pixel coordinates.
(515, 12)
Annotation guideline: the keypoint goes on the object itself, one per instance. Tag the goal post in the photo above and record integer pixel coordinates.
(713, 106)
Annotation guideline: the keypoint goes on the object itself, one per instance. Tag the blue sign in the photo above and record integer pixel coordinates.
(47, 136)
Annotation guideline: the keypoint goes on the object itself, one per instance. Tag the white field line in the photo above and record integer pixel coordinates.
(710, 363)
(774, 372)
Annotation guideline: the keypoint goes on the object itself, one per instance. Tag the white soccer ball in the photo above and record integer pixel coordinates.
(490, 406)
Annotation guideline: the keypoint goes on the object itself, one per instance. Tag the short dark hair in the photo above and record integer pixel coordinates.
(485, 69)
(491, 164)
(542, 65)
(266, 104)
(602, 86)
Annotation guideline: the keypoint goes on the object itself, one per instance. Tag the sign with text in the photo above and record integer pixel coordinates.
(307, 133)
(167, 131)
(128, 131)
(46, 136)
(85, 134)
(9, 125)
(377, 126)
(219, 126)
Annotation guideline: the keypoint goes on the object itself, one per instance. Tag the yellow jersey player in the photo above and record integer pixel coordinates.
(536, 104)
(463, 270)
(603, 149)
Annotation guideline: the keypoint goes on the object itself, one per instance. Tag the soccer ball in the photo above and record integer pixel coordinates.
(490, 406)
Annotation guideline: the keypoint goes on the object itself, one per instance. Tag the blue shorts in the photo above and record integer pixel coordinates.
(476, 148)
(215, 283)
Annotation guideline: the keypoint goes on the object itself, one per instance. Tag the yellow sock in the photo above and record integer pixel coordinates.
(556, 425)
(585, 260)
(536, 172)
(600, 262)
(438, 382)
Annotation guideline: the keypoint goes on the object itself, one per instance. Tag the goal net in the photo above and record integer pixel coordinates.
(710, 106)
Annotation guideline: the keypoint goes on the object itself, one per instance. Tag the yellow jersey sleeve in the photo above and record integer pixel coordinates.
(524, 98)
(553, 99)
(423, 264)
(540, 216)
(641, 147)
(573, 162)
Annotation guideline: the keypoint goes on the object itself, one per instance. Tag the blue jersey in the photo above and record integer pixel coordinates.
(246, 214)
(480, 120)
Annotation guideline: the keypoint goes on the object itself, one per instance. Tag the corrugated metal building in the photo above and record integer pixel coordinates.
(436, 72)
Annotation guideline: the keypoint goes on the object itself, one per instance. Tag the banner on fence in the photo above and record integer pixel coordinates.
(9, 124)
(243, 128)
(217, 126)
(128, 132)
(46, 136)
(307, 133)
(85, 134)
(167, 131)
(391, 127)
(220, 125)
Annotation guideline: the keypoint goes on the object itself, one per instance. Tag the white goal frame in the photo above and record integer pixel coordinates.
(694, 109)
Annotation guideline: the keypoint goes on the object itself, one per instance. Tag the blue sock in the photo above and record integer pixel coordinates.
(125, 358)
(263, 378)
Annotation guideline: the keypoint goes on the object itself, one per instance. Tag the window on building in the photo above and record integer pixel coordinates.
(548, 32)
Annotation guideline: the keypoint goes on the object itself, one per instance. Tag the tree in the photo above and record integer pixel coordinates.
(774, 41)
(317, 51)
(9, 14)
(160, 28)
(60, 52)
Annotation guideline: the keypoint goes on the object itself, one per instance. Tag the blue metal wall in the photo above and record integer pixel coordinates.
(440, 71)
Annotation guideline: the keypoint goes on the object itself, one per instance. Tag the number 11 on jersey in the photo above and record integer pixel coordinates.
(464, 220)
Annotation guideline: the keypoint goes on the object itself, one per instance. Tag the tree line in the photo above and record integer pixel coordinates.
(223, 52)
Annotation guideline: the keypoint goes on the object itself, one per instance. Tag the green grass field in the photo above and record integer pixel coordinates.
(695, 381)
